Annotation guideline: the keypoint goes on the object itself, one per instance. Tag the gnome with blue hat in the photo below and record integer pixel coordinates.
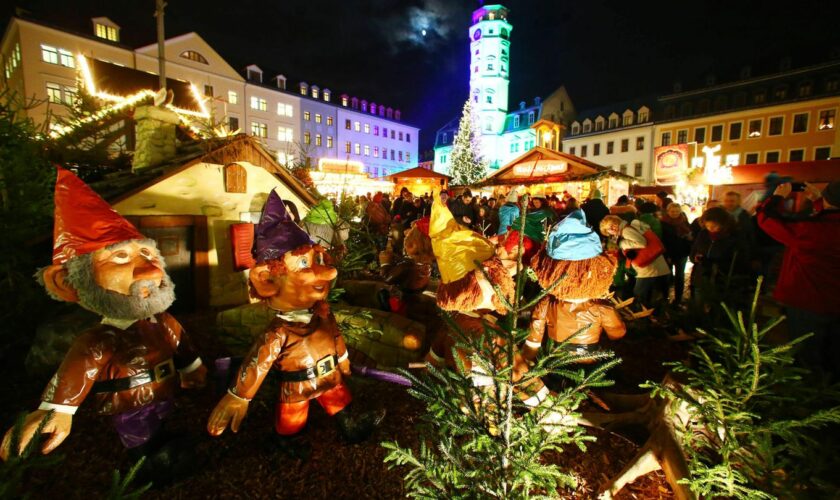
(576, 309)
(303, 343)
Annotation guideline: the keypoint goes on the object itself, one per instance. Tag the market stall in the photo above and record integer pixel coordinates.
(419, 181)
(334, 177)
(546, 172)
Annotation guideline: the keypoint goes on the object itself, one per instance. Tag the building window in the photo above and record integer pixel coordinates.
(259, 129)
(531, 118)
(628, 119)
(285, 134)
(208, 91)
(329, 121)
(109, 33)
(772, 157)
(344, 103)
(596, 149)
(822, 153)
(49, 54)
(643, 116)
(326, 95)
(317, 117)
(284, 109)
(775, 126)
(384, 153)
(194, 56)
(376, 130)
(400, 136)
(625, 145)
(623, 169)
(233, 97)
(796, 155)
(233, 123)
(780, 93)
(754, 128)
(54, 92)
(682, 136)
(347, 124)
(13, 61)
(489, 99)
(751, 159)
(385, 134)
(832, 84)
(367, 150)
(400, 156)
(66, 58)
(666, 139)
(367, 128)
(392, 154)
(347, 147)
(314, 92)
(407, 137)
(407, 157)
(735, 131)
(613, 122)
(827, 119)
(700, 135)
(610, 147)
(575, 129)
(805, 89)
(640, 143)
(357, 148)
(599, 125)
(258, 103)
(307, 138)
(717, 133)
(357, 126)
(800, 123)
(393, 134)
(583, 151)
(376, 152)
(317, 139)
(587, 127)
(329, 141)
(759, 97)
(515, 121)
(637, 170)
(306, 116)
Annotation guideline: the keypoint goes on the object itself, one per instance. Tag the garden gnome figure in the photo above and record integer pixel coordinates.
(303, 343)
(132, 361)
(576, 304)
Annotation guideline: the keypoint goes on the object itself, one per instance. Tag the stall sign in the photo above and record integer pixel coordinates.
(671, 163)
(541, 169)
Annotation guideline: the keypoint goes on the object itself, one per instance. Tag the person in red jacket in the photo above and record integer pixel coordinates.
(809, 281)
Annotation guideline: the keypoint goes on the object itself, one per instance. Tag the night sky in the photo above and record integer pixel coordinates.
(602, 51)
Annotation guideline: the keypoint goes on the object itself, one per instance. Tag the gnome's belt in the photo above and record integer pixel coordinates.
(161, 371)
(323, 367)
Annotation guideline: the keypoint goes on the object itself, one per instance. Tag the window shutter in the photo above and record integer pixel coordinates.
(242, 238)
(236, 179)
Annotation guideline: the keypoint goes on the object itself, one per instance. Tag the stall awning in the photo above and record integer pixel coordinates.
(541, 166)
(416, 173)
(800, 171)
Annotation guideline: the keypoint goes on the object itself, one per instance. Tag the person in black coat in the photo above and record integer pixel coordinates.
(464, 210)
(717, 244)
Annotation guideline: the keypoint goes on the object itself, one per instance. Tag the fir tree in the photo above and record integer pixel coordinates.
(468, 166)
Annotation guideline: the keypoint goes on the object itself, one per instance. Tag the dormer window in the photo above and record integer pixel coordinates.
(326, 95)
(316, 92)
(643, 116)
(345, 99)
(304, 88)
(599, 123)
(628, 118)
(106, 29)
(194, 56)
(613, 123)
(575, 128)
(587, 126)
(254, 73)
(364, 106)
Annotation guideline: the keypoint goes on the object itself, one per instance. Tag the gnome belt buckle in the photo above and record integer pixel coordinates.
(325, 366)
(164, 370)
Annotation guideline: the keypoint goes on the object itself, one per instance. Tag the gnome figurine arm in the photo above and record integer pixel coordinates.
(536, 330)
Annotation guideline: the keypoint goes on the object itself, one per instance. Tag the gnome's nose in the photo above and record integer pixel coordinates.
(146, 270)
(327, 273)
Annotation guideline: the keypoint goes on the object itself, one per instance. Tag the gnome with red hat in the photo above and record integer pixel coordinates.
(132, 361)
(303, 343)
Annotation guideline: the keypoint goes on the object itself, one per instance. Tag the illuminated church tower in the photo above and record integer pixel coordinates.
(489, 80)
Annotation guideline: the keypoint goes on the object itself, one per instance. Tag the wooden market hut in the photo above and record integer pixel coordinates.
(419, 181)
(545, 171)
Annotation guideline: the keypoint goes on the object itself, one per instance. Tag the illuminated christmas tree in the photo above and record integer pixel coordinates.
(468, 166)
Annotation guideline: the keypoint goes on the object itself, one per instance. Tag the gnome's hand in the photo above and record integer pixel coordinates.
(58, 427)
(230, 410)
(530, 353)
(194, 379)
(344, 366)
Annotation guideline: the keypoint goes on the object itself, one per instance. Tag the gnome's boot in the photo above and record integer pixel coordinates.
(168, 459)
(357, 428)
(295, 446)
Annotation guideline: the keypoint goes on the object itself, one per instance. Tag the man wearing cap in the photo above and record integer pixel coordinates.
(131, 361)
(574, 310)
(809, 279)
(303, 343)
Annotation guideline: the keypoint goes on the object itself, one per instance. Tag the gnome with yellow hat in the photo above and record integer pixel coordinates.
(574, 310)
(131, 363)
(466, 291)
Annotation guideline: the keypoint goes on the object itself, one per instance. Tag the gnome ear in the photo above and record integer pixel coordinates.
(262, 282)
(55, 281)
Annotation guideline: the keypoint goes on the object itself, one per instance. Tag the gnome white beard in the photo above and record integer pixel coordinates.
(115, 305)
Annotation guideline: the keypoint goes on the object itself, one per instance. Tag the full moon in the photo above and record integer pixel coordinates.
(423, 32)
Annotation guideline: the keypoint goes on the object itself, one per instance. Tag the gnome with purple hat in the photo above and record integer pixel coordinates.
(303, 343)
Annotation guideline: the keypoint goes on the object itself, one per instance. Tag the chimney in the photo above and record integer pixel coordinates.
(746, 72)
(154, 136)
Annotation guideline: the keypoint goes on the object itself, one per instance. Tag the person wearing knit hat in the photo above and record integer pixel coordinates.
(509, 211)
(129, 361)
(574, 310)
(466, 292)
(303, 343)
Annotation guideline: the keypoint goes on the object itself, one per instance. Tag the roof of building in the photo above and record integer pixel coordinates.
(616, 107)
(417, 172)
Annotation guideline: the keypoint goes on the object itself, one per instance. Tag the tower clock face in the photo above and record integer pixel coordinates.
(477, 34)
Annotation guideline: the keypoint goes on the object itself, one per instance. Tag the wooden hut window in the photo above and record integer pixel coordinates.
(236, 178)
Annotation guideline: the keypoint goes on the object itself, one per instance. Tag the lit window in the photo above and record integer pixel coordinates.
(289, 110)
(326, 95)
(259, 129)
(306, 116)
(367, 128)
(357, 126)
(194, 56)
(284, 134)
(329, 141)
(357, 148)
(317, 117)
(827, 119)
(344, 103)
(376, 151)
(54, 92)
(258, 103)
(347, 147)
(66, 58)
(314, 92)
(49, 54)
(317, 139)
(233, 97)
(307, 138)
(347, 124)
(106, 32)
(367, 150)
(69, 95)
(329, 121)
